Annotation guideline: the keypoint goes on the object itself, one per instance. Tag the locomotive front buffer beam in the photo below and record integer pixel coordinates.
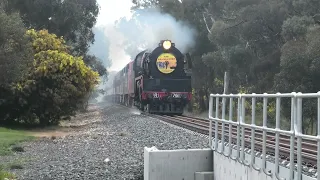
(165, 104)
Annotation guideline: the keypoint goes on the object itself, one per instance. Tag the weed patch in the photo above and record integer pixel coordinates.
(9, 140)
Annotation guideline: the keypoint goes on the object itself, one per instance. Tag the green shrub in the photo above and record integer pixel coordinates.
(55, 87)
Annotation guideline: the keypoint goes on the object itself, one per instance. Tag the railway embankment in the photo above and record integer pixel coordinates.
(107, 142)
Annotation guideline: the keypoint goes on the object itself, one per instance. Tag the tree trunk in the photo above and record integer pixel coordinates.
(207, 99)
(226, 83)
(311, 125)
(201, 100)
(226, 89)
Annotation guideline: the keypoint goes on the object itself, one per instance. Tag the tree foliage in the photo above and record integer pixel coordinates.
(46, 72)
(56, 84)
(15, 51)
(73, 20)
(265, 45)
(96, 64)
(247, 37)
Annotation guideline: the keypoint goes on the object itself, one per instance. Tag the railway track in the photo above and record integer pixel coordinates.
(199, 125)
(309, 148)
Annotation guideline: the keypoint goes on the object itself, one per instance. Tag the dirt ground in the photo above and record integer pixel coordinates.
(67, 127)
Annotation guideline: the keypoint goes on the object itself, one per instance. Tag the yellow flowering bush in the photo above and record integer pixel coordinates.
(57, 84)
(42, 41)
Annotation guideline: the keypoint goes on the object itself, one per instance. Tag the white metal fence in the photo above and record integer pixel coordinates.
(237, 103)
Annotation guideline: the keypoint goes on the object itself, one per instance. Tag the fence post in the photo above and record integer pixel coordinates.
(210, 119)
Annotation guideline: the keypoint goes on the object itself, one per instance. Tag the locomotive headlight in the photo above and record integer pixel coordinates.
(166, 45)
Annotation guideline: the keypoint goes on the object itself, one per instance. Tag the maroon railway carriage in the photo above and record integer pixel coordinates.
(155, 81)
(123, 85)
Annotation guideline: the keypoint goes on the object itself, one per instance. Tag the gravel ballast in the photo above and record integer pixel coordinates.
(109, 146)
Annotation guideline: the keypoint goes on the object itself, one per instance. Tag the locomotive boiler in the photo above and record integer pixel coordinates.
(156, 81)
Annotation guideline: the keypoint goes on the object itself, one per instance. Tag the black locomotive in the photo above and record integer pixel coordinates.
(157, 81)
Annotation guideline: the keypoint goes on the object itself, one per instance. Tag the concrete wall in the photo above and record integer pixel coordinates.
(225, 168)
(196, 164)
(176, 164)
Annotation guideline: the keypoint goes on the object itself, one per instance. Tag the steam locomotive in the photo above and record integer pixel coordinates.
(157, 81)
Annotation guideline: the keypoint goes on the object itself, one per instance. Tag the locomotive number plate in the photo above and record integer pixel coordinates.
(175, 95)
(155, 95)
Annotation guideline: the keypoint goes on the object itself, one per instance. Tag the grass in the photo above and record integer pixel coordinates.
(4, 168)
(6, 175)
(9, 140)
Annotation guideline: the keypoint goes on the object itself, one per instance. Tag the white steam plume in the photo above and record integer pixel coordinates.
(148, 27)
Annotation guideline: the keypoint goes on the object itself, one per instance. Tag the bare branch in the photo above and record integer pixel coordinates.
(316, 15)
(212, 19)
(205, 21)
(316, 18)
(228, 18)
(235, 25)
(209, 14)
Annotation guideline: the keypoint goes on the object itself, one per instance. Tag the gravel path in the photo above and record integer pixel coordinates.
(110, 132)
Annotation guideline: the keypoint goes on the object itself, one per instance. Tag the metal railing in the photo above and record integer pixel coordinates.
(295, 131)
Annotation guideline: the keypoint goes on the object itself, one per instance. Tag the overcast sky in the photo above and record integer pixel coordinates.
(110, 11)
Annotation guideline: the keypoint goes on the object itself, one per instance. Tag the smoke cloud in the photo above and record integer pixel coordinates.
(147, 27)
(144, 29)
